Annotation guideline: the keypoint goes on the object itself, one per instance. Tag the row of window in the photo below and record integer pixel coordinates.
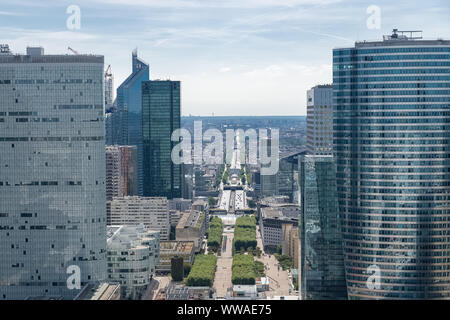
(355, 73)
(354, 51)
(354, 58)
(338, 67)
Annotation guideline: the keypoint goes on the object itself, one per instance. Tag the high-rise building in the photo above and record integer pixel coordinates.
(319, 120)
(126, 120)
(285, 181)
(114, 185)
(322, 258)
(121, 171)
(152, 212)
(161, 112)
(391, 136)
(52, 174)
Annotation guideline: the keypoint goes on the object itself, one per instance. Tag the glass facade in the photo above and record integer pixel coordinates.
(52, 175)
(160, 117)
(285, 181)
(127, 118)
(391, 140)
(322, 260)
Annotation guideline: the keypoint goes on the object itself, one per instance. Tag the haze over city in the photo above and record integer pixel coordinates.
(232, 57)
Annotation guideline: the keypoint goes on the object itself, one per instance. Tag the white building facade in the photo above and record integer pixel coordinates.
(319, 120)
(133, 253)
(153, 212)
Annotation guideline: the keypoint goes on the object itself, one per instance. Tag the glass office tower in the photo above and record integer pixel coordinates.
(391, 140)
(160, 117)
(127, 117)
(322, 260)
(52, 174)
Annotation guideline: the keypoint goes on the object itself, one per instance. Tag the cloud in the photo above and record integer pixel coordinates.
(221, 3)
(10, 13)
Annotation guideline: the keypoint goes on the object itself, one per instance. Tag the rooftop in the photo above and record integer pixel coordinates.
(101, 291)
(189, 219)
(281, 212)
(403, 38)
(176, 246)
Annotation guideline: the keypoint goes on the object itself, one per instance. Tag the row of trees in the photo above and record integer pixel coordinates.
(219, 175)
(215, 234)
(202, 272)
(243, 269)
(245, 233)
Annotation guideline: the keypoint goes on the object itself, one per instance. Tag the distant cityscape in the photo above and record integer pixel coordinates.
(93, 205)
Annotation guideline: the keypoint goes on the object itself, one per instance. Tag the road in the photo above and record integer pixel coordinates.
(222, 279)
(279, 282)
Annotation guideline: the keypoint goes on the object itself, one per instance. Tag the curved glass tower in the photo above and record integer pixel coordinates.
(391, 140)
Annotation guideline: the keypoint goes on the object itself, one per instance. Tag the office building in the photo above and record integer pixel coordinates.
(391, 136)
(271, 223)
(133, 253)
(180, 204)
(322, 257)
(153, 213)
(285, 181)
(121, 171)
(319, 120)
(160, 117)
(192, 227)
(127, 116)
(172, 249)
(52, 176)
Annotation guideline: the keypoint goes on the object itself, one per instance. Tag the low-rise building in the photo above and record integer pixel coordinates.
(153, 212)
(247, 292)
(132, 255)
(171, 249)
(100, 291)
(192, 227)
(180, 204)
(291, 242)
(272, 222)
(175, 216)
(181, 292)
(262, 284)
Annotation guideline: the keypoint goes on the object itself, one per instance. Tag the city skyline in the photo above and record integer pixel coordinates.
(177, 191)
(266, 53)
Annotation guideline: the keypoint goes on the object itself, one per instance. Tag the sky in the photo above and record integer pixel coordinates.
(233, 57)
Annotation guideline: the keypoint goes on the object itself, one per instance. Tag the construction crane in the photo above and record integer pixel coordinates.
(73, 51)
(108, 72)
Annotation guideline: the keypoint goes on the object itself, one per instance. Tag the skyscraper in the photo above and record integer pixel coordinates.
(391, 135)
(121, 171)
(127, 116)
(52, 174)
(160, 117)
(322, 258)
(319, 120)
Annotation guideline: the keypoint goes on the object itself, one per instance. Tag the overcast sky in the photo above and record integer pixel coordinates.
(234, 57)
